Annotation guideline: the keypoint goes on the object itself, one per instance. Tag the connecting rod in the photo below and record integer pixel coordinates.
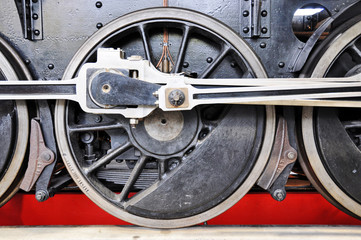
(134, 88)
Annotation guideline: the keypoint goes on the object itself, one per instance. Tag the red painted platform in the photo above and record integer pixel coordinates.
(253, 209)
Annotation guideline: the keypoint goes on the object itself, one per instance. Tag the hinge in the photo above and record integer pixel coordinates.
(31, 16)
(255, 18)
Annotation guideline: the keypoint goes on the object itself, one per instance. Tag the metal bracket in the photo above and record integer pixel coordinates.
(42, 188)
(31, 16)
(40, 156)
(255, 18)
(282, 159)
(282, 155)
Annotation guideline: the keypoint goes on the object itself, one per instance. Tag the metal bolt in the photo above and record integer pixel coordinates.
(133, 122)
(176, 97)
(263, 45)
(279, 195)
(35, 16)
(46, 156)
(98, 119)
(51, 66)
(245, 13)
(264, 30)
(99, 25)
(185, 64)
(209, 59)
(281, 64)
(41, 196)
(36, 32)
(264, 13)
(98, 4)
(173, 165)
(156, 94)
(246, 29)
(87, 137)
(291, 155)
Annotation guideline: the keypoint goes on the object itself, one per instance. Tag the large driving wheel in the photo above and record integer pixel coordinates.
(13, 125)
(331, 136)
(174, 169)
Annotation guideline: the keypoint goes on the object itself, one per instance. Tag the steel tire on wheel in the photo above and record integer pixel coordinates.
(13, 68)
(328, 174)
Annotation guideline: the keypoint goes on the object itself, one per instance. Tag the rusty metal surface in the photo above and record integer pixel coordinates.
(39, 157)
(282, 155)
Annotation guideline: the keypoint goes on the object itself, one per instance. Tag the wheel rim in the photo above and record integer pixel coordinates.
(11, 67)
(326, 165)
(138, 214)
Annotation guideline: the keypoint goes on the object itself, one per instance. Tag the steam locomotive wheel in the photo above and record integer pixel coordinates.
(13, 125)
(331, 135)
(173, 169)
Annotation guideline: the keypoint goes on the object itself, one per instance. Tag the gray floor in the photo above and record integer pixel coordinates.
(194, 233)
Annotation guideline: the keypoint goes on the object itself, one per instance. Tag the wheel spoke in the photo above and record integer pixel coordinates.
(107, 158)
(182, 50)
(145, 42)
(351, 124)
(355, 53)
(161, 168)
(87, 128)
(138, 168)
(215, 63)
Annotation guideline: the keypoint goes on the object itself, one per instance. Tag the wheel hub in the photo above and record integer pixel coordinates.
(166, 133)
(164, 126)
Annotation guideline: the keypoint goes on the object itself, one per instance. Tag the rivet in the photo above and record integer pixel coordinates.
(35, 16)
(99, 25)
(51, 66)
(98, 119)
(281, 64)
(98, 4)
(46, 156)
(264, 30)
(264, 13)
(291, 155)
(209, 59)
(233, 64)
(185, 64)
(263, 45)
(245, 13)
(27, 61)
(246, 29)
(36, 32)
